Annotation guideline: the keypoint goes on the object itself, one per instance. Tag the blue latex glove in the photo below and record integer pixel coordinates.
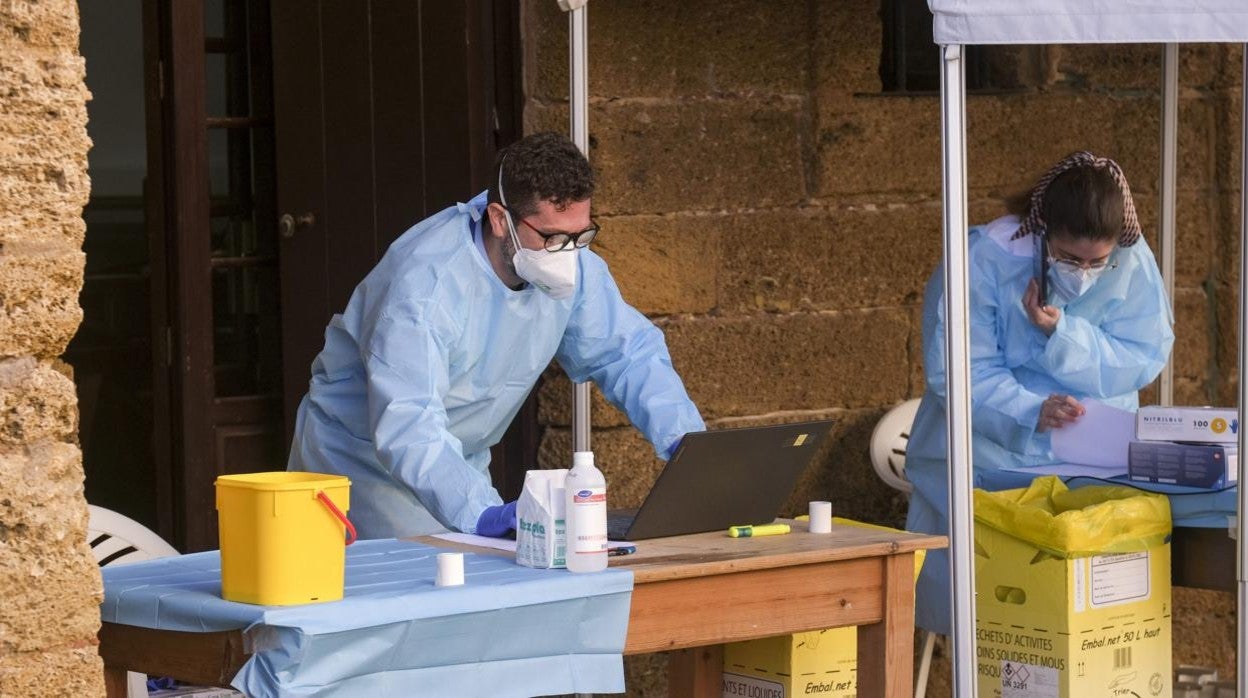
(497, 521)
(675, 447)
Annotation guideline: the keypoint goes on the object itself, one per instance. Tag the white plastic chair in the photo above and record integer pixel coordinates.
(888, 457)
(114, 539)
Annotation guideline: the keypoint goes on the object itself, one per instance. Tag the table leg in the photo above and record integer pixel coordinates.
(115, 682)
(886, 649)
(697, 672)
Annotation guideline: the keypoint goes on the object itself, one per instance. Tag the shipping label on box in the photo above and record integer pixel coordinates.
(1193, 465)
(1048, 627)
(1201, 424)
(819, 662)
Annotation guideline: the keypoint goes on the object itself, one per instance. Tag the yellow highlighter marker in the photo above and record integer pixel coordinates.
(754, 531)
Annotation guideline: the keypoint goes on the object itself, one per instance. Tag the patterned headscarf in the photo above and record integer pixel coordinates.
(1034, 223)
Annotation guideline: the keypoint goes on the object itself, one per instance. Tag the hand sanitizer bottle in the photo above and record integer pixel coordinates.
(585, 490)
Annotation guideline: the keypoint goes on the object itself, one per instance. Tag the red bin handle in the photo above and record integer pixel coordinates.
(333, 509)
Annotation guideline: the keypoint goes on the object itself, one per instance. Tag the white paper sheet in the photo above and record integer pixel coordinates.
(1101, 437)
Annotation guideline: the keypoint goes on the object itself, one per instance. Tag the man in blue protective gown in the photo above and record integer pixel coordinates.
(1103, 331)
(443, 340)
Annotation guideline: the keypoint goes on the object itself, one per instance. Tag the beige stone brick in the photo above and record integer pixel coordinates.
(664, 264)
(764, 363)
(1121, 67)
(39, 285)
(1226, 384)
(47, 574)
(1204, 629)
(823, 258)
(74, 670)
(1193, 348)
(554, 404)
(848, 38)
(1011, 140)
(650, 48)
(37, 403)
(35, 24)
(663, 157)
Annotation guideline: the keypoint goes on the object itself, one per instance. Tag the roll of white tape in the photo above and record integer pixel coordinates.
(450, 570)
(821, 517)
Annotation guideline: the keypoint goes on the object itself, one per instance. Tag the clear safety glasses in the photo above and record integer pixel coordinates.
(555, 242)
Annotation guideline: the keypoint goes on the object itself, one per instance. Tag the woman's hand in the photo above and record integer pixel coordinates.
(1057, 411)
(1043, 316)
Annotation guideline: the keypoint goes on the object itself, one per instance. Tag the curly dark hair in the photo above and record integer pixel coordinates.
(542, 167)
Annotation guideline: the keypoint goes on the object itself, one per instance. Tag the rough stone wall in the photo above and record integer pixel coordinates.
(48, 580)
(777, 217)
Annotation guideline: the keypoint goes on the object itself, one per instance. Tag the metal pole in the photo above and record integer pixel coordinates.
(958, 370)
(1169, 160)
(578, 113)
(1241, 622)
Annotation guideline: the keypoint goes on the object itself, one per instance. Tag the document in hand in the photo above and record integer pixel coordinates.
(1099, 440)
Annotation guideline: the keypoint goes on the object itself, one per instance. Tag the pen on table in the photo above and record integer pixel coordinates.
(621, 550)
(754, 531)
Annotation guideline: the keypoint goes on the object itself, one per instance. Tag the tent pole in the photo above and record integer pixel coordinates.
(1169, 160)
(578, 113)
(1242, 584)
(957, 370)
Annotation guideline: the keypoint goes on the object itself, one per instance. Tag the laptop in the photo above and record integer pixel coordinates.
(722, 478)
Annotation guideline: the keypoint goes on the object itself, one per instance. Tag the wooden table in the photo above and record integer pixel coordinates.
(691, 594)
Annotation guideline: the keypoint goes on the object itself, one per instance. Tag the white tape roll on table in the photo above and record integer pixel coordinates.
(821, 517)
(450, 570)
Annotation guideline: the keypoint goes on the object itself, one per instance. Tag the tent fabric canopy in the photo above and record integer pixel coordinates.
(1088, 21)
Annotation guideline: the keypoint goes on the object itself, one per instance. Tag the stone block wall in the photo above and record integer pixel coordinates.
(48, 579)
(777, 216)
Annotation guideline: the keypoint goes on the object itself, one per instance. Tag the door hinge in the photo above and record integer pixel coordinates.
(168, 345)
(160, 79)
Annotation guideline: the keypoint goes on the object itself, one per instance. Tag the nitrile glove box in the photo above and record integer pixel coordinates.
(1200, 424)
(1193, 465)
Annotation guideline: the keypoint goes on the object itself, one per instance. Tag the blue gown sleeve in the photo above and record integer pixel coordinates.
(1126, 350)
(407, 376)
(1002, 410)
(612, 344)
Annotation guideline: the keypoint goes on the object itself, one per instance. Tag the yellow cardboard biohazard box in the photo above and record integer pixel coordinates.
(819, 662)
(1072, 592)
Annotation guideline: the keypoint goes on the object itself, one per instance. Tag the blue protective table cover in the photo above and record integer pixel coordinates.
(508, 631)
(1190, 507)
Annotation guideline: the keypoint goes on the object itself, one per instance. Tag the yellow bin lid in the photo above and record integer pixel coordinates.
(282, 480)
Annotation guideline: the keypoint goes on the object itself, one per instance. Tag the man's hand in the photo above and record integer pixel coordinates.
(1058, 411)
(497, 521)
(1041, 315)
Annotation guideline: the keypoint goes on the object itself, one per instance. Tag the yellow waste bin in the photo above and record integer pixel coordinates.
(1072, 591)
(283, 537)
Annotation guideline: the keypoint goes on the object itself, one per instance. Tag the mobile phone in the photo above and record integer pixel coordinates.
(1042, 268)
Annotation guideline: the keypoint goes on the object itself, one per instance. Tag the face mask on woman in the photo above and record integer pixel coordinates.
(1067, 281)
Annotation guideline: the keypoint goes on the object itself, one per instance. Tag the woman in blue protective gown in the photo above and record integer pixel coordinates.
(1103, 332)
(440, 344)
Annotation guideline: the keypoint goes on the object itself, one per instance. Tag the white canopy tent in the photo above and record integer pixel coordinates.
(957, 23)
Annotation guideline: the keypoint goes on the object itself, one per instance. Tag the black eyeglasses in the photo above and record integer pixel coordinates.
(555, 242)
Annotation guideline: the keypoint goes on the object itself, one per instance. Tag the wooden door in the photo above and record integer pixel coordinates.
(215, 304)
(386, 111)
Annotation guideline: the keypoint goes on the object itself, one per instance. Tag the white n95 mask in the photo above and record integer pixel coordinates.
(552, 272)
(1067, 283)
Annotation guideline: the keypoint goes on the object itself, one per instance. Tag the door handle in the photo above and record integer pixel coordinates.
(288, 225)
